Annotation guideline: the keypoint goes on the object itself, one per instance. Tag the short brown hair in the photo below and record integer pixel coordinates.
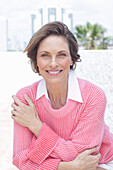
(52, 28)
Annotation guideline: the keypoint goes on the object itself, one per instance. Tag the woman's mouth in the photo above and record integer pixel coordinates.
(54, 72)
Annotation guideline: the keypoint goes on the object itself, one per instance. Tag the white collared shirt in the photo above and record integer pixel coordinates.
(73, 88)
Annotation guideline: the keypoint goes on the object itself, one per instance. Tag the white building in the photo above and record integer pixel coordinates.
(48, 13)
(3, 33)
(16, 32)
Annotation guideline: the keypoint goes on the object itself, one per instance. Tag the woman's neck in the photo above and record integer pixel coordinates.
(57, 94)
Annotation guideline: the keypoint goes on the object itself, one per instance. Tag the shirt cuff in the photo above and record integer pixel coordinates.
(42, 146)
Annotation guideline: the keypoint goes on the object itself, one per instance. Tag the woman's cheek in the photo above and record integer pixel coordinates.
(41, 63)
(65, 63)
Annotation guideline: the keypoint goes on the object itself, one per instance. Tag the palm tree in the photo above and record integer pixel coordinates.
(92, 36)
(106, 42)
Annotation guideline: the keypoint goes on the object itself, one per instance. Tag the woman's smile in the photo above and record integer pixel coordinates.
(54, 72)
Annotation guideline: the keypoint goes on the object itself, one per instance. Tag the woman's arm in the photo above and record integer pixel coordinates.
(21, 148)
(22, 142)
(57, 147)
(88, 134)
(84, 161)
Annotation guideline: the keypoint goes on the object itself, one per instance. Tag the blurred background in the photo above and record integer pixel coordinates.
(88, 19)
(92, 24)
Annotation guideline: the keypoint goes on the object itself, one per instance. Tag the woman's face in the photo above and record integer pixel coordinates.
(54, 59)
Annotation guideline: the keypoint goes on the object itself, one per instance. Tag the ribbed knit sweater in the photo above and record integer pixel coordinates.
(65, 132)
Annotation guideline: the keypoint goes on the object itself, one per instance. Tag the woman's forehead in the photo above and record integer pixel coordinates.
(54, 42)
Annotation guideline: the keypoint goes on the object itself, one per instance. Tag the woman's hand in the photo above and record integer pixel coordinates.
(87, 161)
(84, 161)
(26, 115)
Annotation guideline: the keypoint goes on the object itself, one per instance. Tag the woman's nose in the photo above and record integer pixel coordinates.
(53, 63)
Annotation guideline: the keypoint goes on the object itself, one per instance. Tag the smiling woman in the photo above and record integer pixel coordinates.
(54, 61)
(59, 120)
(46, 31)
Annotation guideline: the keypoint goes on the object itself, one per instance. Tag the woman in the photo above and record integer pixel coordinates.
(59, 119)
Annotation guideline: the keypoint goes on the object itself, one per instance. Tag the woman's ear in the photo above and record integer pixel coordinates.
(71, 62)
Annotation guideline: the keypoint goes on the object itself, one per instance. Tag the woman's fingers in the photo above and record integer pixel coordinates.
(28, 100)
(14, 106)
(87, 159)
(17, 101)
(98, 155)
(14, 114)
(92, 151)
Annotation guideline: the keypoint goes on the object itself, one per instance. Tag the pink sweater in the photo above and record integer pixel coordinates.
(65, 132)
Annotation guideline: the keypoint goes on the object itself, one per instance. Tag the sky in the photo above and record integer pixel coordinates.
(18, 13)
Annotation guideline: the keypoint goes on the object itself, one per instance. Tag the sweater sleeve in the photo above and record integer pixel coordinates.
(25, 149)
(88, 133)
(23, 139)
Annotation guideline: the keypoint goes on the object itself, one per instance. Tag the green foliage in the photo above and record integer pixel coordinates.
(92, 36)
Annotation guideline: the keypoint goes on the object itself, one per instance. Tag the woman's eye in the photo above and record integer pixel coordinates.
(62, 54)
(44, 55)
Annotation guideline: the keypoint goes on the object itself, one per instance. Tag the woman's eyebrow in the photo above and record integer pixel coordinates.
(43, 52)
(63, 51)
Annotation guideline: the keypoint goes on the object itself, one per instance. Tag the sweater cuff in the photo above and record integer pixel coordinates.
(50, 164)
(43, 145)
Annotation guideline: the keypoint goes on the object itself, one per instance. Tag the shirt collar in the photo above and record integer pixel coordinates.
(73, 88)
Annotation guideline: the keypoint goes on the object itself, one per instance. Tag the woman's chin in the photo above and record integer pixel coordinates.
(54, 80)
